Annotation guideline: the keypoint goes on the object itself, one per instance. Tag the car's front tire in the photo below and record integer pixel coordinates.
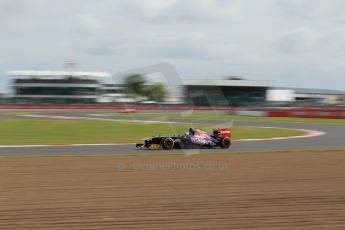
(225, 143)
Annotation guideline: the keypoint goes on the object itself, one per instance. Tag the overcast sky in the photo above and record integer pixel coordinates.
(297, 43)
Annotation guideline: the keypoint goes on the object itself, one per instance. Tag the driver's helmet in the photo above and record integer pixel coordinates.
(191, 131)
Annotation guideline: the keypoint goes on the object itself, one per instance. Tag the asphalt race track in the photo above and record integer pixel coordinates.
(332, 139)
(261, 191)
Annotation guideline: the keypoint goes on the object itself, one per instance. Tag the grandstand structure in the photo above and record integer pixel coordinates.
(57, 87)
(76, 87)
(233, 92)
(240, 92)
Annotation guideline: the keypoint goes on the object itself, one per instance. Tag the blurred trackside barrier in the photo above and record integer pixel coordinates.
(118, 107)
(250, 113)
(310, 112)
(305, 112)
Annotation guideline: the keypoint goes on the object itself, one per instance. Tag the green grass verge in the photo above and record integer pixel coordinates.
(215, 116)
(45, 131)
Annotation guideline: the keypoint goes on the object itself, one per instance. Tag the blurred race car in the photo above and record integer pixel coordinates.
(194, 138)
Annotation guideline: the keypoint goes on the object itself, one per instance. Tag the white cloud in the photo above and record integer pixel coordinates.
(266, 39)
(297, 41)
(90, 24)
(183, 10)
(298, 9)
(153, 8)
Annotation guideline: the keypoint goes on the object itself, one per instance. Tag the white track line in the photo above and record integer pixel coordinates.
(308, 133)
(64, 145)
(94, 118)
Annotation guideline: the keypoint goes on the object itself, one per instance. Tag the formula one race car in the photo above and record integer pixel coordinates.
(194, 138)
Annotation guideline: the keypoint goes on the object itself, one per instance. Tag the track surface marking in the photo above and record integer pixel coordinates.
(333, 138)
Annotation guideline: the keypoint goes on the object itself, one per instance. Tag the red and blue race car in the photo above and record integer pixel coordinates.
(194, 138)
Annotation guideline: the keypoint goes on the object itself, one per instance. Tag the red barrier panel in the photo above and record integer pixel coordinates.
(334, 114)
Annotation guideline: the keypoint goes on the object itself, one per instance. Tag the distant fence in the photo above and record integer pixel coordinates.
(118, 107)
(304, 112)
(311, 112)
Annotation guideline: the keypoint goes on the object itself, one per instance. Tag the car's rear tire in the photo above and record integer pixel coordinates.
(225, 143)
(168, 143)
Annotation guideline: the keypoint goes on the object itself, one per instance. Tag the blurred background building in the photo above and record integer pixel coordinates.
(76, 87)
(305, 96)
(225, 92)
(57, 87)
